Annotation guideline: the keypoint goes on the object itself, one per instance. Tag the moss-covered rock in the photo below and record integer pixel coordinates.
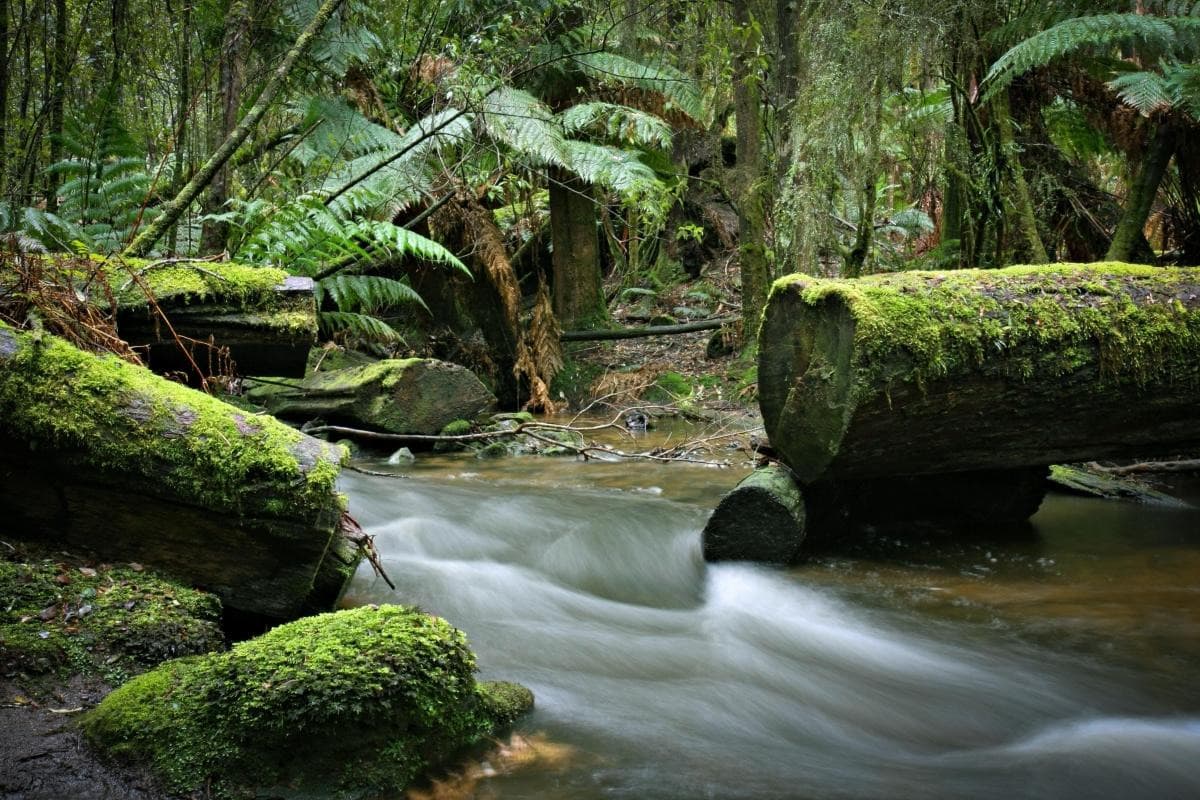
(365, 699)
(411, 395)
(61, 616)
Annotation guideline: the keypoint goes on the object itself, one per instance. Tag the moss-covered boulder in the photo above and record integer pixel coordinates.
(365, 699)
(108, 457)
(61, 616)
(924, 373)
(410, 395)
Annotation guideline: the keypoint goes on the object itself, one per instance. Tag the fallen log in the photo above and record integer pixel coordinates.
(923, 373)
(411, 396)
(762, 519)
(649, 330)
(266, 318)
(102, 455)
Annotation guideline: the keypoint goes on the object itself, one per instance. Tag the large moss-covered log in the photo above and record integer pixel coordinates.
(266, 318)
(762, 519)
(939, 372)
(411, 395)
(340, 704)
(107, 456)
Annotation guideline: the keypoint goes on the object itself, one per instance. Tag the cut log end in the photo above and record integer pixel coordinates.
(762, 519)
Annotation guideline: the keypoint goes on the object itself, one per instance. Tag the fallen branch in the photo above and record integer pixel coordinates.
(1181, 465)
(650, 330)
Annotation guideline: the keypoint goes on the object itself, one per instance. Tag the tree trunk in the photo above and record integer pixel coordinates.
(578, 283)
(104, 456)
(5, 71)
(749, 177)
(925, 373)
(1128, 243)
(1023, 204)
(173, 210)
(213, 234)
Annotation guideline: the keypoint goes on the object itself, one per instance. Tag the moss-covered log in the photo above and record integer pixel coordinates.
(412, 395)
(337, 704)
(266, 318)
(107, 456)
(762, 519)
(940, 372)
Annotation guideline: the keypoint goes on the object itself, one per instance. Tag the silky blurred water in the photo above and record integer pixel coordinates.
(1057, 664)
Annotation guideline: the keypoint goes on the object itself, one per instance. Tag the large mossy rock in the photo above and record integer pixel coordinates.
(365, 699)
(923, 373)
(266, 318)
(106, 456)
(411, 395)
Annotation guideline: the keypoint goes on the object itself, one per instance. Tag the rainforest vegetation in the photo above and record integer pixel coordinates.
(468, 179)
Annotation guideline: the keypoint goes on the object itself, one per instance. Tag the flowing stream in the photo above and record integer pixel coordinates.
(1062, 664)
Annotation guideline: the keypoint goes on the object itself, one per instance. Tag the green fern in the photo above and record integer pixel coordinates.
(367, 293)
(677, 88)
(358, 326)
(617, 123)
(519, 120)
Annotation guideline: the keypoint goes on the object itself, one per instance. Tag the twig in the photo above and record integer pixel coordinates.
(1180, 465)
(366, 544)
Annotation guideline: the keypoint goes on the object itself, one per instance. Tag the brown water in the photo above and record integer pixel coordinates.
(1059, 664)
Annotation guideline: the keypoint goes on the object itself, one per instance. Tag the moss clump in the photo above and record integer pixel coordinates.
(187, 283)
(1041, 320)
(105, 621)
(669, 387)
(124, 418)
(362, 699)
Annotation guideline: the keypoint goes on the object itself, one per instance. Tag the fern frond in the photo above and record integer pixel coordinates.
(678, 88)
(617, 123)
(1101, 30)
(368, 293)
(361, 326)
(614, 168)
(1145, 91)
(522, 122)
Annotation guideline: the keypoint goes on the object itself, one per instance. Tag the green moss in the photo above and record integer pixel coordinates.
(1024, 321)
(60, 616)
(458, 427)
(669, 387)
(124, 418)
(195, 282)
(365, 698)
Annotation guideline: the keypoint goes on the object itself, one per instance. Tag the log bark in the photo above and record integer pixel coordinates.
(650, 330)
(104, 456)
(762, 519)
(413, 395)
(266, 318)
(926, 373)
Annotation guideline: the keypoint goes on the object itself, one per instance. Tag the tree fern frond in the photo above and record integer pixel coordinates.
(614, 168)
(617, 123)
(678, 88)
(368, 293)
(521, 121)
(362, 326)
(1101, 30)
(1146, 91)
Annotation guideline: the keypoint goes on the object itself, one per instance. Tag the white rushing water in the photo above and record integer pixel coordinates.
(674, 679)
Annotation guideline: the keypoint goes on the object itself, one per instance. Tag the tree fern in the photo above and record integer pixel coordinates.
(368, 293)
(617, 123)
(522, 122)
(676, 87)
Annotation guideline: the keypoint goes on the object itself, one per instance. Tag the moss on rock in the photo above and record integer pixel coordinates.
(106, 621)
(364, 699)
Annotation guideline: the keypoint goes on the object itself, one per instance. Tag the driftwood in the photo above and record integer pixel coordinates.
(651, 330)
(762, 519)
(927, 373)
(102, 455)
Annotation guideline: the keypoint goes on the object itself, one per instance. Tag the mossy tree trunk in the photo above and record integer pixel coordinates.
(1021, 200)
(1129, 240)
(749, 178)
(927, 373)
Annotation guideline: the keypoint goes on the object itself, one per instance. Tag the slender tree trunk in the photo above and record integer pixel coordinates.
(578, 284)
(749, 177)
(4, 73)
(182, 113)
(233, 60)
(1128, 243)
(59, 70)
(1022, 202)
(173, 210)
